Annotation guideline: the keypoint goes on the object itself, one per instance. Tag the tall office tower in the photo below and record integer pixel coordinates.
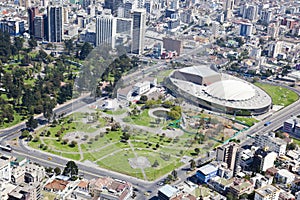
(127, 9)
(228, 154)
(85, 4)
(250, 12)
(32, 12)
(228, 8)
(140, 3)
(246, 29)
(106, 30)
(138, 32)
(65, 15)
(228, 4)
(55, 24)
(148, 6)
(39, 27)
(113, 5)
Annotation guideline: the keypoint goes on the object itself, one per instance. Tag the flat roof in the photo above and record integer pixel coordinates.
(168, 190)
(207, 169)
(267, 190)
(200, 70)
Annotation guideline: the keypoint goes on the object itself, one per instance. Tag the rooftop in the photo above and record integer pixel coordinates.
(267, 190)
(199, 70)
(207, 169)
(168, 190)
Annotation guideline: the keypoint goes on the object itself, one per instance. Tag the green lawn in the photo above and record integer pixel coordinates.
(280, 95)
(17, 119)
(52, 143)
(142, 119)
(249, 121)
(119, 163)
(296, 141)
(117, 112)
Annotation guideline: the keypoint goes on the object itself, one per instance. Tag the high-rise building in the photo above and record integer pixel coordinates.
(32, 12)
(55, 24)
(127, 9)
(106, 30)
(227, 153)
(246, 29)
(228, 8)
(39, 27)
(113, 5)
(263, 160)
(138, 33)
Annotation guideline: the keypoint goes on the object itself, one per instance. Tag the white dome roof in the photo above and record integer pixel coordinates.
(231, 90)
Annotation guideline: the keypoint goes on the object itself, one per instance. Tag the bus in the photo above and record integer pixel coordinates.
(6, 148)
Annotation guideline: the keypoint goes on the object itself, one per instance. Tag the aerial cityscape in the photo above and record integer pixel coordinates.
(149, 99)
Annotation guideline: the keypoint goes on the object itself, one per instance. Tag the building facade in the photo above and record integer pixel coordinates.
(55, 24)
(138, 31)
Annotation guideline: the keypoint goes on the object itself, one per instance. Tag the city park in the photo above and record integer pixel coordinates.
(145, 140)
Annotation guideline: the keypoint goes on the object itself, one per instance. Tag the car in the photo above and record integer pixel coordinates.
(147, 194)
(267, 123)
(49, 158)
(160, 183)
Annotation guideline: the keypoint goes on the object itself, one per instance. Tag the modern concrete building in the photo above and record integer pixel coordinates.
(271, 143)
(227, 153)
(5, 171)
(167, 192)
(207, 172)
(284, 176)
(39, 27)
(55, 24)
(268, 192)
(220, 92)
(106, 30)
(263, 160)
(246, 29)
(138, 31)
(32, 12)
(170, 44)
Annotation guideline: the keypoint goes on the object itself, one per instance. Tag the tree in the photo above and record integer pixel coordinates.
(25, 134)
(57, 171)
(32, 123)
(71, 169)
(73, 143)
(69, 45)
(155, 164)
(32, 42)
(85, 50)
(197, 150)
(174, 174)
(192, 164)
(144, 98)
(174, 115)
(291, 146)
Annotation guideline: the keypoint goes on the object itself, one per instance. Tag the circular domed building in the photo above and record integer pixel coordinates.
(220, 92)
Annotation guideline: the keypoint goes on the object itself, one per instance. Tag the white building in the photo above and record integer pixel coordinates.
(268, 192)
(141, 87)
(106, 30)
(5, 171)
(297, 195)
(284, 176)
(271, 143)
(268, 161)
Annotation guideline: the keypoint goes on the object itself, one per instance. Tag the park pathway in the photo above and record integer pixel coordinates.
(136, 156)
(80, 152)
